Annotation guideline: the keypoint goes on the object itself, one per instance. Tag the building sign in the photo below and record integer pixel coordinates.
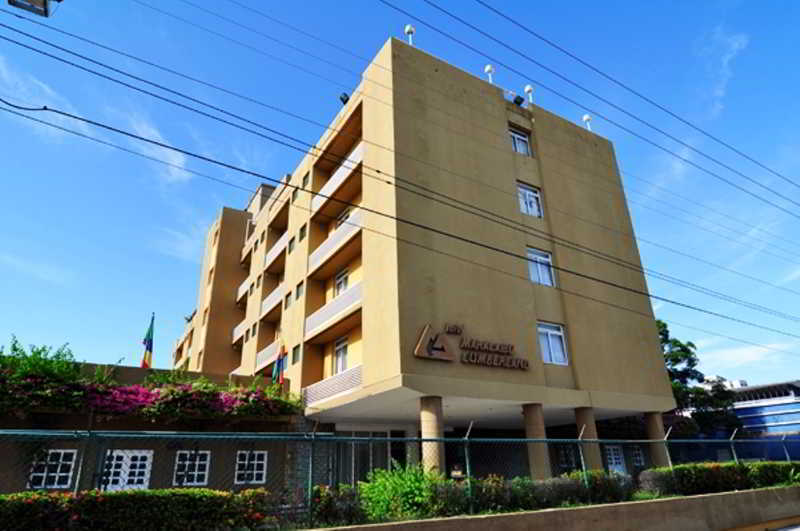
(440, 346)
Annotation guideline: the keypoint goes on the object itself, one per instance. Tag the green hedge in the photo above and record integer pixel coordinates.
(135, 510)
(706, 478)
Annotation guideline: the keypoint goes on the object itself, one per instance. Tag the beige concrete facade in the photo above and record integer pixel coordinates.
(316, 271)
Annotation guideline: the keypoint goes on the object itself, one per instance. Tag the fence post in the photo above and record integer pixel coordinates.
(310, 482)
(785, 449)
(583, 461)
(666, 447)
(468, 466)
(733, 446)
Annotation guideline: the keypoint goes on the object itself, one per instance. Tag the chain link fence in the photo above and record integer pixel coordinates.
(289, 465)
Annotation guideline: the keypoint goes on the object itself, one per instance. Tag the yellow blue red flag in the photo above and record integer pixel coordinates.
(147, 358)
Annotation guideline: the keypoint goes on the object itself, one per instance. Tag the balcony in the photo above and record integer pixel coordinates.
(271, 305)
(275, 252)
(238, 331)
(242, 291)
(339, 185)
(338, 249)
(344, 382)
(266, 356)
(335, 318)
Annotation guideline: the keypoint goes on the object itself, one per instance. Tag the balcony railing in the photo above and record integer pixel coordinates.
(343, 382)
(337, 309)
(339, 176)
(243, 287)
(276, 249)
(338, 237)
(238, 331)
(266, 356)
(270, 301)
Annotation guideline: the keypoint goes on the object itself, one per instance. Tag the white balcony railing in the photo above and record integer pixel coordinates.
(354, 158)
(337, 309)
(276, 249)
(238, 330)
(270, 301)
(343, 382)
(243, 287)
(266, 356)
(338, 237)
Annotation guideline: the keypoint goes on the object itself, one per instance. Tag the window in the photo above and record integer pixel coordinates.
(298, 292)
(340, 283)
(191, 468)
(255, 329)
(255, 246)
(294, 195)
(258, 281)
(530, 201)
(251, 468)
(540, 267)
(52, 469)
(614, 459)
(250, 290)
(638, 456)
(205, 315)
(566, 457)
(295, 354)
(340, 355)
(263, 235)
(287, 301)
(127, 469)
(551, 343)
(291, 245)
(247, 335)
(520, 141)
(216, 237)
(302, 235)
(210, 275)
(306, 177)
(342, 217)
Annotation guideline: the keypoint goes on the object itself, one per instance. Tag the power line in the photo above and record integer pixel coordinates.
(396, 238)
(613, 122)
(541, 234)
(299, 117)
(633, 91)
(405, 221)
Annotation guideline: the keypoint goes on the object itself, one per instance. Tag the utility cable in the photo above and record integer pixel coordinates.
(368, 229)
(410, 223)
(613, 122)
(633, 91)
(615, 260)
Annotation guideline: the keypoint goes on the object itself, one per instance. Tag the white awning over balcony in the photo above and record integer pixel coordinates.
(276, 250)
(273, 299)
(344, 382)
(266, 356)
(337, 309)
(238, 330)
(338, 238)
(338, 177)
(242, 291)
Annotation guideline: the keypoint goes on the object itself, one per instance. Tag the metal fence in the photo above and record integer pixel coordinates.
(290, 464)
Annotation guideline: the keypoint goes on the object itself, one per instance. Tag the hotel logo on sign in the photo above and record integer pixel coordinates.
(472, 351)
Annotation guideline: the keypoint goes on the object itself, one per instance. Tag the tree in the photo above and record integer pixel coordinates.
(711, 410)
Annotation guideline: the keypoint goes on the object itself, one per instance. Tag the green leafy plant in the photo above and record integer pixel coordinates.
(706, 478)
(399, 494)
(337, 506)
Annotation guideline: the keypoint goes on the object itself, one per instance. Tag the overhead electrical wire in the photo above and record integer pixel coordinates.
(633, 91)
(411, 223)
(369, 229)
(611, 121)
(530, 231)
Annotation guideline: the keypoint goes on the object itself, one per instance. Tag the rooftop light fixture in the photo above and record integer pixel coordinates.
(38, 7)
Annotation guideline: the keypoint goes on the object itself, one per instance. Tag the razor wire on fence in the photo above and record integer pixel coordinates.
(290, 465)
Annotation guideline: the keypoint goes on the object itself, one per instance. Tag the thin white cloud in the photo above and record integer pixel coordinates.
(736, 357)
(52, 274)
(707, 342)
(790, 277)
(25, 89)
(144, 127)
(720, 48)
(185, 243)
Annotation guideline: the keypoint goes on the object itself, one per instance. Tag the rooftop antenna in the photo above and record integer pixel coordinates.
(410, 33)
(489, 70)
(587, 120)
(529, 92)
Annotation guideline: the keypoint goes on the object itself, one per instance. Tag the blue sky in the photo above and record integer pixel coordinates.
(94, 240)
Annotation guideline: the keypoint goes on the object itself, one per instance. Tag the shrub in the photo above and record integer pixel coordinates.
(767, 474)
(399, 494)
(705, 478)
(337, 506)
(556, 492)
(451, 497)
(604, 487)
(491, 494)
(523, 494)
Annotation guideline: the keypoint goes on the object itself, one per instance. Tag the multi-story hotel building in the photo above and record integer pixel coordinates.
(389, 326)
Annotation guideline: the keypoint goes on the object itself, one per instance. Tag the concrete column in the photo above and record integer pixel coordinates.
(538, 453)
(584, 416)
(431, 423)
(654, 422)
(412, 448)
